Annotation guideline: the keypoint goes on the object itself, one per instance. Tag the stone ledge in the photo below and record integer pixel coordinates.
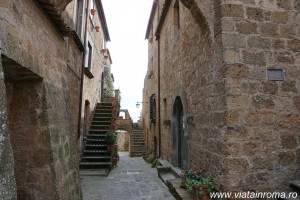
(178, 192)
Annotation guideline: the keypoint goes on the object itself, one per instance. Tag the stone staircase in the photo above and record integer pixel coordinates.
(137, 143)
(95, 155)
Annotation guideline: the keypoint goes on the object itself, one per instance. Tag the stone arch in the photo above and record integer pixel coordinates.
(197, 15)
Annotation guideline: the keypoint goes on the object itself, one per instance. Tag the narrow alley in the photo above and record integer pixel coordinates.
(133, 179)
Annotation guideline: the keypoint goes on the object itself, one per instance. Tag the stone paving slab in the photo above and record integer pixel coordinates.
(133, 179)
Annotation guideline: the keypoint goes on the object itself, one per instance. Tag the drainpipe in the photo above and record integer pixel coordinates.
(82, 72)
(158, 85)
(158, 97)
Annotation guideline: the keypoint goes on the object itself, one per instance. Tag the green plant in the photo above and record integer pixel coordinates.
(149, 158)
(111, 137)
(154, 163)
(193, 178)
(191, 174)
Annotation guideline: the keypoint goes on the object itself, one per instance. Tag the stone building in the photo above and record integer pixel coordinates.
(97, 65)
(222, 88)
(42, 72)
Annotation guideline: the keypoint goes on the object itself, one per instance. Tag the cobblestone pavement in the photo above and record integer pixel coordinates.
(133, 179)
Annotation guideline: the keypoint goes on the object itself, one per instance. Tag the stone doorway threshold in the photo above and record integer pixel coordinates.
(170, 176)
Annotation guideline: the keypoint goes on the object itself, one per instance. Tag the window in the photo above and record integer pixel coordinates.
(176, 16)
(152, 108)
(88, 59)
(90, 51)
(78, 18)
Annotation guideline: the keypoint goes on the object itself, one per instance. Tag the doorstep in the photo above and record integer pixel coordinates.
(170, 176)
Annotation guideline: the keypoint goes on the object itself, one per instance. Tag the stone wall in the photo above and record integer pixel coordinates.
(150, 87)
(42, 72)
(189, 65)
(244, 128)
(7, 180)
(123, 141)
(262, 118)
(92, 86)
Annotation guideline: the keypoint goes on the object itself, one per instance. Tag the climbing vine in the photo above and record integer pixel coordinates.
(108, 82)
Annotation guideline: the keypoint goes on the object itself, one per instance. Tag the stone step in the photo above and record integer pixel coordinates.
(101, 122)
(136, 145)
(96, 140)
(96, 157)
(95, 135)
(95, 145)
(102, 111)
(101, 118)
(107, 115)
(178, 192)
(95, 163)
(95, 151)
(98, 130)
(137, 137)
(104, 104)
(99, 127)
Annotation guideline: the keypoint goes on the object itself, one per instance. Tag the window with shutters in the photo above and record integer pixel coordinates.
(79, 17)
(152, 108)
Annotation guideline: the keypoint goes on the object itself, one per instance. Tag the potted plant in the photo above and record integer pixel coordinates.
(182, 176)
(110, 137)
(115, 156)
(93, 11)
(198, 185)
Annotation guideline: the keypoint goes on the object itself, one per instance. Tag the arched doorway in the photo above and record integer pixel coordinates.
(179, 141)
(86, 122)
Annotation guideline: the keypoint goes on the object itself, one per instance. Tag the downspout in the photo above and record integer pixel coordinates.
(158, 86)
(82, 72)
(158, 97)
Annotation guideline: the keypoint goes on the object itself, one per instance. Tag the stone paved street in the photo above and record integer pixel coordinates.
(133, 179)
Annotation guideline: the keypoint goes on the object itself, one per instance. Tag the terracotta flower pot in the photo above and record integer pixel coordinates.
(110, 147)
(205, 195)
(97, 28)
(183, 183)
(93, 11)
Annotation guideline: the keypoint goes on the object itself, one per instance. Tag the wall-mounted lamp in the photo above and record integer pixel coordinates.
(139, 103)
(150, 75)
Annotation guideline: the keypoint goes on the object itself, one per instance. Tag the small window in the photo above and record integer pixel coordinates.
(176, 16)
(152, 108)
(90, 51)
(79, 17)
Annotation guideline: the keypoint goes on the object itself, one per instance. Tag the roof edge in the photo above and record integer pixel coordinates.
(103, 20)
(153, 9)
(162, 17)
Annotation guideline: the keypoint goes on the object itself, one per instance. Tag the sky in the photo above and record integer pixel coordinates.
(127, 22)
